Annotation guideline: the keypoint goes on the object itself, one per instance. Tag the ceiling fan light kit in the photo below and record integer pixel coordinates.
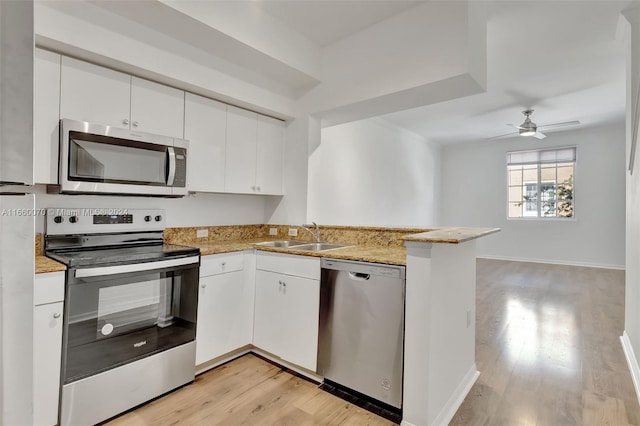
(529, 128)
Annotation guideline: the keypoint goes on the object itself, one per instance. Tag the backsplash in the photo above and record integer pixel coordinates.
(186, 235)
(376, 236)
(356, 235)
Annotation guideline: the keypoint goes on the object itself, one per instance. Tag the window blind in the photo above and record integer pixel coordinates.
(542, 156)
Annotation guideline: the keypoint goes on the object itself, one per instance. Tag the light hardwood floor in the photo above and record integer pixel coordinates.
(547, 347)
(249, 391)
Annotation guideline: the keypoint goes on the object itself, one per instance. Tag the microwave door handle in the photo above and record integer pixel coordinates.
(171, 171)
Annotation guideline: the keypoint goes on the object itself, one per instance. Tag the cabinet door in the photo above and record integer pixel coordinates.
(286, 317)
(240, 166)
(156, 108)
(225, 311)
(269, 155)
(205, 127)
(269, 318)
(94, 94)
(46, 116)
(47, 352)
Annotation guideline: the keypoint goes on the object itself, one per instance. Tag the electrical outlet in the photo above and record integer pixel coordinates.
(468, 319)
(293, 232)
(273, 231)
(202, 233)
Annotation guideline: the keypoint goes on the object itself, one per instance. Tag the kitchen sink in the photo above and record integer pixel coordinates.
(282, 243)
(318, 246)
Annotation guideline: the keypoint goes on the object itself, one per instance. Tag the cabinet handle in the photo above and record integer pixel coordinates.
(284, 284)
(203, 286)
(56, 315)
(253, 188)
(224, 264)
(125, 122)
(258, 188)
(135, 124)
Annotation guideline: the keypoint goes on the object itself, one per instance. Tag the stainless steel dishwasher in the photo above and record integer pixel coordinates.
(361, 336)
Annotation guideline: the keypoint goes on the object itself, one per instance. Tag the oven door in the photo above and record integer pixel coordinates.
(115, 315)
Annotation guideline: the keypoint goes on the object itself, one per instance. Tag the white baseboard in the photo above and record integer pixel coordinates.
(632, 362)
(552, 262)
(455, 400)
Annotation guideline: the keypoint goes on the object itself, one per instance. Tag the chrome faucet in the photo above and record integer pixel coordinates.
(316, 234)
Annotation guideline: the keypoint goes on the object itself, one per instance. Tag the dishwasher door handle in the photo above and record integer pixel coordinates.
(359, 276)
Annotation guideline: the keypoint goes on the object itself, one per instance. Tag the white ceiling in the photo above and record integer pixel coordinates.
(327, 21)
(560, 58)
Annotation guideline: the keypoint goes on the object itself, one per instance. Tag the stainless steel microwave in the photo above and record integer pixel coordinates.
(98, 159)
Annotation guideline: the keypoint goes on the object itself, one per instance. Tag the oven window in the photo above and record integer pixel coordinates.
(113, 321)
(133, 306)
(103, 162)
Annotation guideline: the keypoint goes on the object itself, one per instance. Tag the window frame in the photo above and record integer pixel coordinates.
(539, 216)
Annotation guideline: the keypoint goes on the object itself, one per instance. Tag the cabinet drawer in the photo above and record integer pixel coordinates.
(221, 263)
(48, 288)
(300, 266)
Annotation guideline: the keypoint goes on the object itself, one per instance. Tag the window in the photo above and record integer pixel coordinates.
(541, 183)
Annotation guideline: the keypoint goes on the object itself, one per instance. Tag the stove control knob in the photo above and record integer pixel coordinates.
(58, 219)
(73, 219)
(147, 218)
(158, 218)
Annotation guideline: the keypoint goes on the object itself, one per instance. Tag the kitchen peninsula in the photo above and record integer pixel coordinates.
(439, 355)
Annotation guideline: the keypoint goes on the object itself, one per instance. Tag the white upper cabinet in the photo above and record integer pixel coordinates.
(254, 153)
(240, 169)
(156, 108)
(46, 116)
(94, 94)
(100, 95)
(205, 126)
(269, 155)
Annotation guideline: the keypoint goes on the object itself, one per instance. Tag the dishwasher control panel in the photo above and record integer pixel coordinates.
(377, 269)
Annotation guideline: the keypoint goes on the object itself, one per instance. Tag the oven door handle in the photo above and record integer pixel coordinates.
(135, 267)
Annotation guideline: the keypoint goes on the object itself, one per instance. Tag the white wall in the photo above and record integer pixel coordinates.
(474, 194)
(632, 275)
(372, 173)
(192, 210)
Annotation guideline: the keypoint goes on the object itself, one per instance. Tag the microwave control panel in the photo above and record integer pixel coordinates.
(180, 179)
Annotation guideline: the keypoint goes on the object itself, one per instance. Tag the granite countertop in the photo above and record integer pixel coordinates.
(375, 254)
(364, 253)
(453, 235)
(44, 265)
(391, 255)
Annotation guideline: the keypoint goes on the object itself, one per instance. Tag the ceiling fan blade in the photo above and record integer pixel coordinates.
(539, 135)
(515, 127)
(557, 125)
(502, 136)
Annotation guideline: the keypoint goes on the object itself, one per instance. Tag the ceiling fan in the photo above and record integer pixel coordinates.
(529, 128)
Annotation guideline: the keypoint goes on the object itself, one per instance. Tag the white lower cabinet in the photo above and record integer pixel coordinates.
(225, 306)
(287, 308)
(47, 346)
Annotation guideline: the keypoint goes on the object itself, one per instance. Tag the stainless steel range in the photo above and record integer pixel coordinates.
(130, 310)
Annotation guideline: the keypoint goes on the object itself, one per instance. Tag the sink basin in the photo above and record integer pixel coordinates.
(282, 243)
(318, 246)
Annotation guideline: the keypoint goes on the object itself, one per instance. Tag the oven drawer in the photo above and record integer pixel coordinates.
(221, 263)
